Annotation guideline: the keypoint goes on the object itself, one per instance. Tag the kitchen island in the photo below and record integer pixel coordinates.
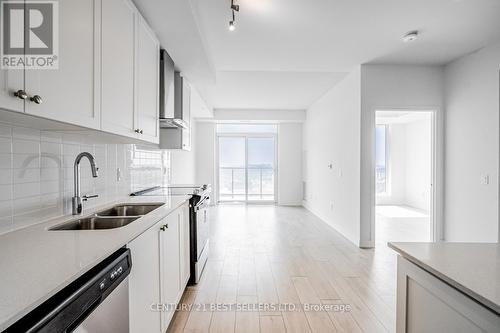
(448, 287)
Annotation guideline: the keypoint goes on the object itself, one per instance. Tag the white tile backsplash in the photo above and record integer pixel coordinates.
(36, 173)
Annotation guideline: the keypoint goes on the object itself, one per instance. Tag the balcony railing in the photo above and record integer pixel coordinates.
(246, 184)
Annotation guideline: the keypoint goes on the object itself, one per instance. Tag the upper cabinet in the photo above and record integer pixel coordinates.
(12, 94)
(172, 136)
(147, 83)
(67, 93)
(118, 48)
(107, 73)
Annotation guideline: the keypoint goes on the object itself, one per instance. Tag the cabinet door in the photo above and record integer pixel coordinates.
(11, 80)
(147, 91)
(170, 266)
(184, 245)
(186, 116)
(144, 282)
(117, 93)
(68, 92)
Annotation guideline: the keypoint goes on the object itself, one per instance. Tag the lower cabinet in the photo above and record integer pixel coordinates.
(144, 281)
(158, 276)
(170, 266)
(427, 304)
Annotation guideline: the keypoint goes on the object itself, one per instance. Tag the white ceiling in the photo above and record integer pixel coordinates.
(270, 90)
(286, 53)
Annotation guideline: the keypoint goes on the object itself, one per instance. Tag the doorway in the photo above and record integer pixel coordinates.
(404, 176)
(246, 163)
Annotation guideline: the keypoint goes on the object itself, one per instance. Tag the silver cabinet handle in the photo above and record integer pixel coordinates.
(21, 94)
(37, 99)
(138, 131)
(87, 197)
(164, 227)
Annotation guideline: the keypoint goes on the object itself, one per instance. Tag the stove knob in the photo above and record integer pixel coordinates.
(102, 285)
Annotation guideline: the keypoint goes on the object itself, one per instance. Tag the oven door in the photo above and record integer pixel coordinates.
(202, 226)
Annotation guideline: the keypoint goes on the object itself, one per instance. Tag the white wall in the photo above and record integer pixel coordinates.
(386, 87)
(290, 164)
(472, 144)
(409, 152)
(205, 154)
(332, 135)
(183, 163)
(418, 164)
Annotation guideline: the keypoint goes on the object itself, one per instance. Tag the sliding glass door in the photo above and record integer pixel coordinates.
(247, 167)
(232, 169)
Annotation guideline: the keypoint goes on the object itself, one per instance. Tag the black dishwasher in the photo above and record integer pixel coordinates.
(95, 302)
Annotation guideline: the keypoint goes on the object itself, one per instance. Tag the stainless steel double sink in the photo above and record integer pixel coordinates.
(115, 217)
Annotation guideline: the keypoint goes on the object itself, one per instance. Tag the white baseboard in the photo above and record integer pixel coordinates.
(306, 205)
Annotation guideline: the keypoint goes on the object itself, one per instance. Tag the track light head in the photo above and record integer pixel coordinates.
(235, 7)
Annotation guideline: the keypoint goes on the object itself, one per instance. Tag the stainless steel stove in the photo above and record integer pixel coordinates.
(199, 222)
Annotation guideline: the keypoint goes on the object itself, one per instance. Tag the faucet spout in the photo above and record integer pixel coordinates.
(77, 198)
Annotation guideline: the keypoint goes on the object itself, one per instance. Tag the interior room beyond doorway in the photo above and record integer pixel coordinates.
(403, 170)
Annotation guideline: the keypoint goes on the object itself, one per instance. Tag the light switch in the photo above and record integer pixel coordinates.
(485, 179)
(118, 174)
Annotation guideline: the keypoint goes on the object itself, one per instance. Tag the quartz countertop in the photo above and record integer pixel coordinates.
(36, 263)
(472, 268)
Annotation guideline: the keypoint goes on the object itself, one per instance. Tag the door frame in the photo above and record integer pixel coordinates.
(246, 136)
(437, 153)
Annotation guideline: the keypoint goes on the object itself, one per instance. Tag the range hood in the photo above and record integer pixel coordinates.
(171, 94)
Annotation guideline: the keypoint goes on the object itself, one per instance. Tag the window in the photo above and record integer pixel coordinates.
(246, 162)
(381, 174)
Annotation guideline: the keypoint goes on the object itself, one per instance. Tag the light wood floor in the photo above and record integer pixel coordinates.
(271, 255)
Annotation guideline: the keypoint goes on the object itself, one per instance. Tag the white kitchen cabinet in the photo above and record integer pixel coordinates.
(160, 272)
(147, 84)
(144, 281)
(67, 93)
(118, 57)
(177, 137)
(427, 304)
(170, 266)
(11, 81)
(107, 77)
(186, 116)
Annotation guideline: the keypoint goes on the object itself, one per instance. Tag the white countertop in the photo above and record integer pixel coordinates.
(36, 263)
(472, 268)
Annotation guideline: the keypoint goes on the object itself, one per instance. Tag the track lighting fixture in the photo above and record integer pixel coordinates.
(232, 23)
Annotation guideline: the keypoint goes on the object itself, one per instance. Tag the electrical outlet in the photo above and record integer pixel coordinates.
(118, 174)
(485, 179)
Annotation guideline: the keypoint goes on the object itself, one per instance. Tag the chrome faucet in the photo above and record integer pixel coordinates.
(77, 199)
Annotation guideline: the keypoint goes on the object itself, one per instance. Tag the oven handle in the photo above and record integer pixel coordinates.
(202, 204)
